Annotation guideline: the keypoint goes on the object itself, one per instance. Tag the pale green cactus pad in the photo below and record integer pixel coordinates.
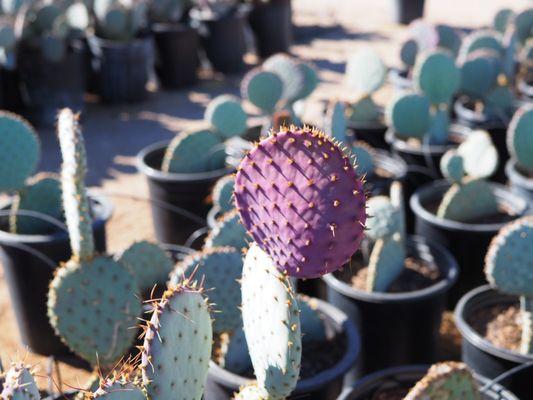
(365, 71)
(364, 158)
(480, 157)
(500, 100)
(451, 166)
(194, 151)
(228, 231)
(336, 122)
(19, 384)
(384, 218)
(252, 392)
(119, 390)
(149, 264)
(19, 151)
(220, 268)
(263, 89)
(409, 115)
(446, 381)
(290, 73)
(93, 306)
(222, 193)
(468, 201)
(177, 346)
(42, 194)
(386, 263)
(364, 110)
(502, 19)
(436, 75)
(520, 137)
(271, 324)
(226, 116)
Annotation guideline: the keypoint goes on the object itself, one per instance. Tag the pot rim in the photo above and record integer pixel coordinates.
(174, 27)
(475, 119)
(106, 211)
(402, 145)
(473, 337)
(431, 189)
(109, 43)
(516, 177)
(336, 317)
(391, 163)
(443, 285)
(158, 175)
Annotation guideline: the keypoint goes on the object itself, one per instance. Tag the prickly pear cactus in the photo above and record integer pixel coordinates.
(452, 166)
(480, 40)
(226, 116)
(149, 264)
(449, 39)
(479, 73)
(384, 218)
(439, 126)
(408, 52)
(222, 193)
(220, 268)
(19, 384)
(385, 264)
(177, 345)
(364, 155)
(120, 20)
(91, 386)
(409, 116)
(365, 71)
(42, 195)
(523, 23)
(19, 151)
(502, 19)
(480, 157)
(520, 138)
(301, 200)
(263, 89)
(252, 392)
(228, 231)
(448, 380)
(235, 357)
(271, 324)
(364, 110)
(119, 389)
(508, 266)
(194, 151)
(336, 122)
(436, 75)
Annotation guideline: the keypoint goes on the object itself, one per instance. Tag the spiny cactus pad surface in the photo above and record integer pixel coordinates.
(228, 231)
(226, 116)
(177, 346)
(364, 154)
(119, 390)
(271, 323)
(263, 89)
(252, 392)
(19, 384)
(223, 193)
(302, 201)
(520, 137)
(384, 219)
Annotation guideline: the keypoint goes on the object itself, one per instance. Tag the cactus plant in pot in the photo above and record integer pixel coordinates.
(524, 82)
(121, 50)
(33, 238)
(51, 57)
(495, 322)
(222, 26)
(387, 287)
(465, 212)
(177, 43)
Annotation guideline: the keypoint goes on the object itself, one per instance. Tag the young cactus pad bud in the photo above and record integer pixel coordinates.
(448, 380)
(302, 202)
(177, 345)
(19, 384)
(263, 89)
(271, 323)
(223, 193)
(520, 138)
(436, 75)
(220, 268)
(509, 267)
(365, 71)
(228, 231)
(226, 116)
(19, 151)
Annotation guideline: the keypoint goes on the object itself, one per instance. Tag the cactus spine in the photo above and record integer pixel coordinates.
(19, 384)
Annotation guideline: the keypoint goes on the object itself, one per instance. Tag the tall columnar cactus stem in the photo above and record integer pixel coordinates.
(302, 202)
(73, 171)
(177, 345)
(509, 266)
(19, 384)
(520, 138)
(448, 380)
(271, 323)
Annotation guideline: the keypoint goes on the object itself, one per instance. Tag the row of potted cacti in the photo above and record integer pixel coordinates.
(53, 52)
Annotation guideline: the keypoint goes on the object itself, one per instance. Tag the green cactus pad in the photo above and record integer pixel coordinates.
(449, 380)
(449, 39)
(365, 71)
(193, 152)
(93, 306)
(43, 195)
(263, 89)
(226, 116)
(19, 384)
(119, 390)
(177, 346)
(149, 264)
(271, 324)
(384, 219)
(252, 392)
(481, 40)
(220, 268)
(385, 264)
(479, 73)
(440, 126)
(364, 110)
(502, 19)
(480, 157)
(523, 23)
(364, 158)
(336, 122)
(222, 193)
(436, 75)
(290, 73)
(408, 52)
(19, 151)
(520, 137)
(409, 115)
(468, 202)
(7, 35)
(501, 100)
(228, 231)
(311, 79)
(313, 328)
(451, 166)
(46, 16)
(92, 385)
(235, 356)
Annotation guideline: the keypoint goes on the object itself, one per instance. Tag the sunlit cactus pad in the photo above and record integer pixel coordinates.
(19, 384)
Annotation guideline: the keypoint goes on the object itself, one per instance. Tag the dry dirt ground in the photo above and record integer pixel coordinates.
(329, 31)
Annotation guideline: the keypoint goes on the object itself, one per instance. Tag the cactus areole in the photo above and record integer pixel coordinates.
(301, 200)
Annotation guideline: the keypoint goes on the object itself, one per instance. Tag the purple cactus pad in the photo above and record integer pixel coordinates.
(301, 200)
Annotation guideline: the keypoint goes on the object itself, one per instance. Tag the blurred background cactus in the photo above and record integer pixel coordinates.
(121, 20)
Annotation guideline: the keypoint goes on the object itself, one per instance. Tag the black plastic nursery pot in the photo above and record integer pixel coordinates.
(406, 11)
(468, 242)
(46, 87)
(518, 181)
(482, 356)
(177, 60)
(326, 385)
(372, 133)
(28, 262)
(397, 328)
(11, 98)
(179, 205)
(121, 68)
(224, 42)
(405, 377)
(271, 23)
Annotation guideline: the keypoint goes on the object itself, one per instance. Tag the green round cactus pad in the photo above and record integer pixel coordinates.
(409, 115)
(408, 52)
(502, 19)
(263, 89)
(436, 75)
(364, 158)
(479, 73)
(386, 263)
(226, 116)
(222, 193)
(520, 137)
(523, 23)
(449, 39)
(451, 166)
